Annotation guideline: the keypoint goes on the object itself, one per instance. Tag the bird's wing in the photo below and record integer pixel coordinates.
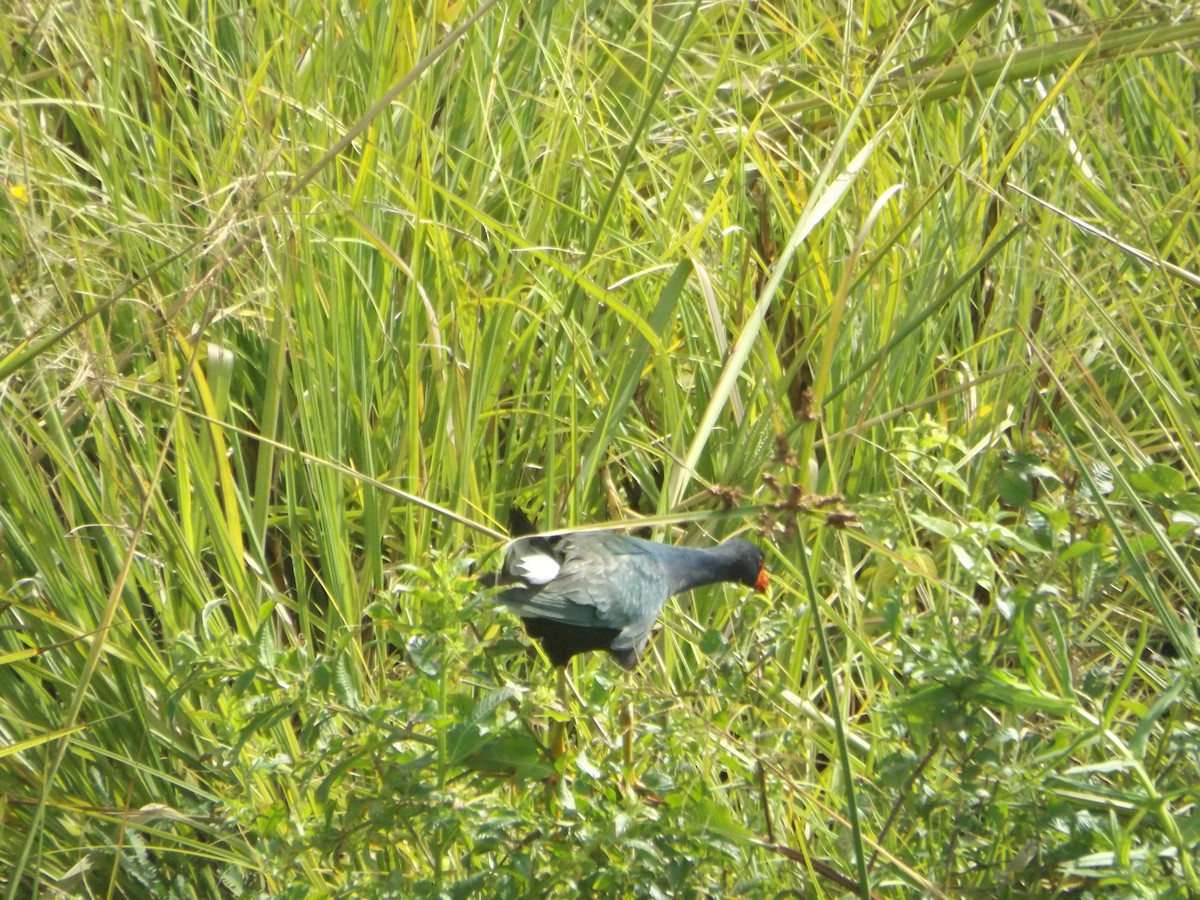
(605, 580)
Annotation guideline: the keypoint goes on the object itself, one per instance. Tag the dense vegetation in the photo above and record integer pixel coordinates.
(299, 298)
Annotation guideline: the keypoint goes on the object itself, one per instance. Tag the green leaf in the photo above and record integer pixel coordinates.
(463, 739)
(720, 820)
(1141, 735)
(515, 755)
(1002, 689)
(1077, 549)
(423, 654)
(1189, 503)
(344, 682)
(1157, 479)
(264, 644)
(712, 642)
(1041, 529)
(1013, 487)
(584, 764)
(486, 708)
(938, 526)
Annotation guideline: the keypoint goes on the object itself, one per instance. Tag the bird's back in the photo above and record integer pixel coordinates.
(605, 580)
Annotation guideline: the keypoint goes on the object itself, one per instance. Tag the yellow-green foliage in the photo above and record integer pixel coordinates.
(910, 289)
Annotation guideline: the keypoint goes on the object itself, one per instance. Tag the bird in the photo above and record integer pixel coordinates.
(599, 590)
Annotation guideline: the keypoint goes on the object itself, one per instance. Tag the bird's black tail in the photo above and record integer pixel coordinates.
(519, 524)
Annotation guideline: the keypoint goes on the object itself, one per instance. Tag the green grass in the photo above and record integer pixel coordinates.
(912, 294)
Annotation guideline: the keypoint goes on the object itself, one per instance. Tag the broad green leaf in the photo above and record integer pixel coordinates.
(1158, 479)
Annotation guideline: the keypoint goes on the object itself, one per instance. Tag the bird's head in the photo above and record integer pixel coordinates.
(748, 563)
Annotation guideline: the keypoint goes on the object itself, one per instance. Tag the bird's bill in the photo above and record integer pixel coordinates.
(761, 584)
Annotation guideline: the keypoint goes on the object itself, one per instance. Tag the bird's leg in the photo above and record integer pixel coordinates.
(627, 739)
(558, 728)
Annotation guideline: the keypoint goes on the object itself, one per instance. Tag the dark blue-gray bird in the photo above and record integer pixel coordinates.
(603, 591)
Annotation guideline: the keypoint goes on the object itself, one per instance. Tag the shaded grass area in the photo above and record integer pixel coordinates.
(912, 296)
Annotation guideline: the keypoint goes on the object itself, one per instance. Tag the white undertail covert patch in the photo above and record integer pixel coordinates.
(536, 568)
